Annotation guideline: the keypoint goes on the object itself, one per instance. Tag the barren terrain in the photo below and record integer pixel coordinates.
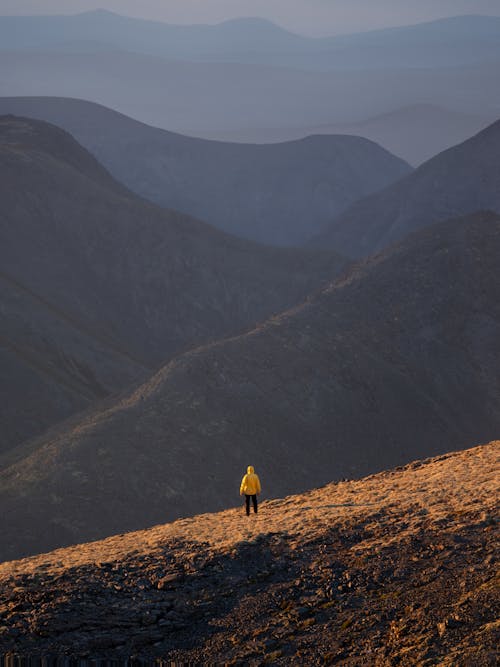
(397, 568)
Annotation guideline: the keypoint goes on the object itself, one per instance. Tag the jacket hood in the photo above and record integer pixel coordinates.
(250, 470)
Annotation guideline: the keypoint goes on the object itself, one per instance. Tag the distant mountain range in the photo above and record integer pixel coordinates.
(280, 194)
(458, 181)
(97, 286)
(397, 358)
(247, 76)
(450, 42)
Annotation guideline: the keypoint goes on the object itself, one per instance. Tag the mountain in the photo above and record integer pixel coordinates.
(396, 359)
(197, 98)
(397, 568)
(456, 182)
(98, 286)
(450, 42)
(416, 133)
(279, 194)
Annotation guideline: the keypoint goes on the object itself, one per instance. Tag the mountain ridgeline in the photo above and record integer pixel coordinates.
(397, 358)
(244, 77)
(204, 99)
(459, 181)
(279, 194)
(98, 286)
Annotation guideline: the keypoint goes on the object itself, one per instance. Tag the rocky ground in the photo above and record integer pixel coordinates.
(400, 568)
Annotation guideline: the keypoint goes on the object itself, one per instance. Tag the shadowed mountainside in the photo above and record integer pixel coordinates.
(397, 359)
(280, 194)
(461, 180)
(397, 568)
(52, 364)
(96, 285)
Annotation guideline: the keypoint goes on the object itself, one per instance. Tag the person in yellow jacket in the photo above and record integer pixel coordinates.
(250, 487)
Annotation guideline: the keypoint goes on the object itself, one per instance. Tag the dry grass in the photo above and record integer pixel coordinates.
(428, 493)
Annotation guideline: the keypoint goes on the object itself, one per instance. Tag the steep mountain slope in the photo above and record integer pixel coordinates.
(97, 284)
(280, 194)
(461, 180)
(398, 568)
(453, 41)
(399, 358)
(197, 98)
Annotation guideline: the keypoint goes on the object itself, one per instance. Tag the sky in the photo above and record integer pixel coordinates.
(312, 17)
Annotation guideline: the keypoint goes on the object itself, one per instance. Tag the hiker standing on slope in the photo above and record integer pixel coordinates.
(250, 486)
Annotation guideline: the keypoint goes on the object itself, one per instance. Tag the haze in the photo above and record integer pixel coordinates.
(314, 17)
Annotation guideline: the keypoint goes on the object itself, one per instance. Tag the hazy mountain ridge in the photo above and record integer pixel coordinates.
(397, 567)
(197, 98)
(397, 359)
(415, 133)
(447, 42)
(281, 194)
(92, 271)
(458, 181)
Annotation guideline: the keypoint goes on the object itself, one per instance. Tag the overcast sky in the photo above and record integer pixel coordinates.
(318, 17)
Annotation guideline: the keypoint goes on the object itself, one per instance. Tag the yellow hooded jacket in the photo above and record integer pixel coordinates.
(250, 484)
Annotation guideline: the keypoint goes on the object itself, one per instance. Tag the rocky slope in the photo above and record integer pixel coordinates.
(279, 194)
(397, 359)
(98, 285)
(398, 568)
(456, 182)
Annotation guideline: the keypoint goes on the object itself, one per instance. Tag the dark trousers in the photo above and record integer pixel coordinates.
(247, 503)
